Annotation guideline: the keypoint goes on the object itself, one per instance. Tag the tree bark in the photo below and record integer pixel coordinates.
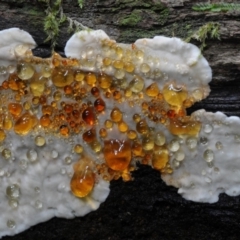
(146, 208)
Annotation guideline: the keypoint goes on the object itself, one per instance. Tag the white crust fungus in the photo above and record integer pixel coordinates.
(14, 43)
(39, 178)
(162, 75)
(212, 165)
(160, 59)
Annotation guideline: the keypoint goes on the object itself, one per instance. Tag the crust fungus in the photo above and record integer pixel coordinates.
(68, 126)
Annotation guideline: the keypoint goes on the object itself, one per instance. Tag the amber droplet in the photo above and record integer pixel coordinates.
(160, 159)
(122, 126)
(99, 105)
(91, 79)
(95, 91)
(7, 123)
(108, 124)
(185, 126)
(129, 67)
(37, 87)
(117, 95)
(83, 179)
(5, 84)
(107, 61)
(62, 76)
(152, 90)
(57, 95)
(45, 121)
(2, 135)
(68, 108)
(35, 100)
(68, 90)
(171, 114)
(131, 134)
(47, 109)
(142, 127)
(118, 64)
(24, 124)
(104, 80)
(116, 115)
(174, 95)
(88, 116)
(12, 82)
(64, 130)
(43, 100)
(79, 76)
(89, 136)
(136, 117)
(137, 149)
(117, 154)
(76, 114)
(103, 133)
(15, 109)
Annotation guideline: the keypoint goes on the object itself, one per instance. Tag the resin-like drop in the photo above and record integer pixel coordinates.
(88, 116)
(117, 154)
(24, 124)
(83, 179)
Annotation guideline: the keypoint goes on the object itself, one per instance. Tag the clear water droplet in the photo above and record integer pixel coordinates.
(208, 155)
(207, 128)
(11, 224)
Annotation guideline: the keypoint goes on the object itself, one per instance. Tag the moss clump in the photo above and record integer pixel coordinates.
(131, 20)
(209, 30)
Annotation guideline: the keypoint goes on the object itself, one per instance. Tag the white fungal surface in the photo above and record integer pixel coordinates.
(160, 59)
(35, 178)
(35, 183)
(212, 160)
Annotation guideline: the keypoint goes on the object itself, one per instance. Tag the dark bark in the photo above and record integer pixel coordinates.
(146, 208)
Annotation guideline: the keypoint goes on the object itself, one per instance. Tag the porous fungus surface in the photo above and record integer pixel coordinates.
(68, 126)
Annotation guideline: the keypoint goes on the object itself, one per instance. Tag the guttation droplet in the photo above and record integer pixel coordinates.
(208, 155)
(174, 145)
(13, 191)
(219, 146)
(11, 224)
(32, 155)
(207, 128)
(191, 142)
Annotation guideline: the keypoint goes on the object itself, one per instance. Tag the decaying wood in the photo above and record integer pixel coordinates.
(146, 208)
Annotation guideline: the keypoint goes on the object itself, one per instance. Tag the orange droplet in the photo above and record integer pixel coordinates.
(45, 120)
(99, 105)
(64, 130)
(88, 116)
(160, 159)
(95, 91)
(89, 136)
(15, 109)
(24, 124)
(117, 154)
(83, 179)
(62, 76)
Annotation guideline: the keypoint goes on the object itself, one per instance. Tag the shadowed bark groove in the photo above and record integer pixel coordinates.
(146, 208)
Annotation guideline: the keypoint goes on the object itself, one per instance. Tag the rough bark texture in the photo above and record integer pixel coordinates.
(146, 208)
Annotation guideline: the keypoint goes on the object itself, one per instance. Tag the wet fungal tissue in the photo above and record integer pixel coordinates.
(70, 125)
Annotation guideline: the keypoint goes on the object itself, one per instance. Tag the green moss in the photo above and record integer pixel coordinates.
(207, 31)
(163, 16)
(216, 7)
(123, 4)
(131, 20)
